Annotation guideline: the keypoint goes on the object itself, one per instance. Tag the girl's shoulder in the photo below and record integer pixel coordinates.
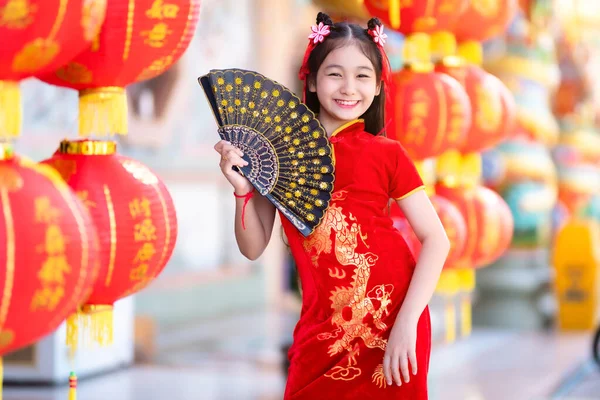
(383, 143)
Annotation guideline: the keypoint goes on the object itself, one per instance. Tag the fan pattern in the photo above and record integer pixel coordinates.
(290, 159)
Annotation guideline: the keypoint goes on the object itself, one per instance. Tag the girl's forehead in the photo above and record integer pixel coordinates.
(348, 56)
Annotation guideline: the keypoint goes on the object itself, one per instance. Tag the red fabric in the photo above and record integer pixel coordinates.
(355, 271)
(48, 248)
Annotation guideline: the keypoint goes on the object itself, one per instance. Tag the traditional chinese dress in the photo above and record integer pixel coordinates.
(355, 271)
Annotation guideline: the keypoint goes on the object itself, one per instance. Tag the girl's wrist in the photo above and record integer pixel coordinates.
(243, 191)
(408, 316)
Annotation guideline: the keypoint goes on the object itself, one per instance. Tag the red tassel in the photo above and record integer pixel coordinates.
(246, 198)
(304, 71)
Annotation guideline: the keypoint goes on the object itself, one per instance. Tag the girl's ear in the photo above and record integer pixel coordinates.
(378, 88)
(312, 85)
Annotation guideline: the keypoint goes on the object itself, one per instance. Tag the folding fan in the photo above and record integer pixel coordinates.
(290, 160)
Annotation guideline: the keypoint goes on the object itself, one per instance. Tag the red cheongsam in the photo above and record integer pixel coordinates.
(355, 270)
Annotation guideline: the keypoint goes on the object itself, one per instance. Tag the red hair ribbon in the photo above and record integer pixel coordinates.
(386, 70)
(318, 35)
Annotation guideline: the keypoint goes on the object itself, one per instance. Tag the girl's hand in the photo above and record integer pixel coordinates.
(401, 351)
(232, 157)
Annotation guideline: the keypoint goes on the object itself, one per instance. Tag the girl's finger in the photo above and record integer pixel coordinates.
(387, 369)
(220, 144)
(412, 358)
(395, 367)
(227, 148)
(404, 367)
(235, 160)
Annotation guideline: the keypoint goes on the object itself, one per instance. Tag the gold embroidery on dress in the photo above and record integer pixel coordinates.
(349, 372)
(351, 304)
(379, 377)
(337, 273)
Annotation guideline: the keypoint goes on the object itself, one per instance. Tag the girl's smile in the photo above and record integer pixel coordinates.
(346, 84)
(349, 104)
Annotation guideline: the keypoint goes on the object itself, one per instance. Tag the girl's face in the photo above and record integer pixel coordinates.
(345, 85)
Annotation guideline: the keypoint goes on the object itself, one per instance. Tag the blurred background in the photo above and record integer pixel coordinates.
(515, 179)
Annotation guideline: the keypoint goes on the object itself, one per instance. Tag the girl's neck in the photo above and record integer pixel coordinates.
(331, 125)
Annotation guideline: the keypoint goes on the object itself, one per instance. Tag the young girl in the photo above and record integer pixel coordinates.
(364, 331)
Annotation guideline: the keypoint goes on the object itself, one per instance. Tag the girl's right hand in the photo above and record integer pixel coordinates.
(232, 157)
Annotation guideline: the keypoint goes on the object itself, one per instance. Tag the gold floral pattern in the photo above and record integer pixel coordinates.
(351, 304)
(156, 68)
(94, 12)
(35, 55)
(17, 14)
(74, 73)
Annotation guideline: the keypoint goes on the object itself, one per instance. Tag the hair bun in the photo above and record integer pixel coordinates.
(324, 18)
(374, 22)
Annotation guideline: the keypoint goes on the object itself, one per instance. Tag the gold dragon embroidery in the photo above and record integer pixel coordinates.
(351, 304)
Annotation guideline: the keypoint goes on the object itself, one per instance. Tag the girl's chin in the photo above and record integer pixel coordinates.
(347, 115)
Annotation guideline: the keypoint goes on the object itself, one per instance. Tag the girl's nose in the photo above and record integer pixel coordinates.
(349, 88)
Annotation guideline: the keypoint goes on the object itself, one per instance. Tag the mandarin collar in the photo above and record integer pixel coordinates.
(351, 126)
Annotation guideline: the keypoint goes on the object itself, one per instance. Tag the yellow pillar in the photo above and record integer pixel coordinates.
(576, 259)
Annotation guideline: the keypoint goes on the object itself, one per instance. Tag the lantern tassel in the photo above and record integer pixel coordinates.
(102, 112)
(98, 324)
(93, 323)
(73, 322)
(394, 9)
(10, 109)
(72, 386)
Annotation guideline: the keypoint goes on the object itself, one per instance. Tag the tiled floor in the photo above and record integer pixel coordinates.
(239, 359)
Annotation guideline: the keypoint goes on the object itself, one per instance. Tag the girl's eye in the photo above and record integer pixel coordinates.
(334, 74)
(363, 76)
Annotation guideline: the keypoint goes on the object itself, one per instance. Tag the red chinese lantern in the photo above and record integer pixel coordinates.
(453, 223)
(455, 226)
(488, 220)
(431, 112)
(496, 227)
(38, 36)
(135, 217)
(48, 251)
(139, 40)
(409, 16)
(486, 19)
(493, 106)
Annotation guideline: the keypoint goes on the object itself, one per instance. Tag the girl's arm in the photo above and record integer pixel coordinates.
(435, 247)
(253, 233)
(400, 356)
(259, 218)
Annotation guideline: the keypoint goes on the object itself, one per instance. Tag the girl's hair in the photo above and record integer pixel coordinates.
(344, 34)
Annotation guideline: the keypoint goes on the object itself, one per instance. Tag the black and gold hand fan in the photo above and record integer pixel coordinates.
(288, 154)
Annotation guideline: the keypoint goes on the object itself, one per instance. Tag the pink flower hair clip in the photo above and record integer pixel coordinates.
(319, 32)
(378, 35)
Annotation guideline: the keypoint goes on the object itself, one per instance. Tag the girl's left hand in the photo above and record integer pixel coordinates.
(401, 350)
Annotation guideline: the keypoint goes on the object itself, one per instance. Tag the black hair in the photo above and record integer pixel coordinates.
(342, 34)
